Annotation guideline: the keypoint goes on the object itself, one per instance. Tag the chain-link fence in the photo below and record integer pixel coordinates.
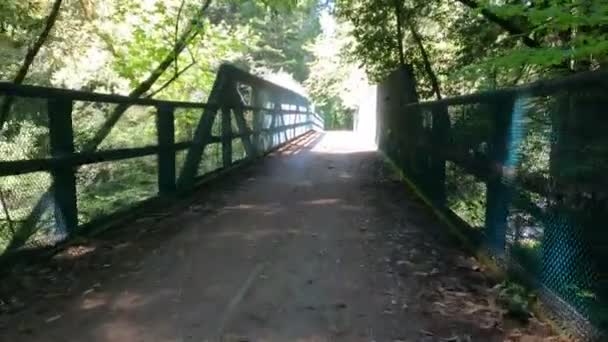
(523, 172)
(69, 159)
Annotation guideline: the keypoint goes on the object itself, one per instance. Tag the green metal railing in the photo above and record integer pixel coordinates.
(74, 171)
(522, 172)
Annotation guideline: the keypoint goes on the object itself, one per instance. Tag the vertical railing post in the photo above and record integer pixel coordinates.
(498, 193)
(309, 120)
(64, 178)
(258, 120)
(165, 130)
(276, 108)
(226, 136)
(440, 141)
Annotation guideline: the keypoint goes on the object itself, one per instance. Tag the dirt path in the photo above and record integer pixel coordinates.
(316, 243)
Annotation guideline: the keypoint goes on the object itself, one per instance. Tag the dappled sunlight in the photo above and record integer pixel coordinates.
(128, 300)
(265, 210)
(94, 302)
(257, 233)
(74, 252)
(243, 206)
(323, 201)
(345, 175)
(126, 330)
(303, 143)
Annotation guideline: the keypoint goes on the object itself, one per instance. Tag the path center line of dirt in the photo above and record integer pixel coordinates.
(238, 298)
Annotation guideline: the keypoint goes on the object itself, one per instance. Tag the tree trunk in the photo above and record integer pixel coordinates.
(32, 52)
(426, 61)
(399, 32)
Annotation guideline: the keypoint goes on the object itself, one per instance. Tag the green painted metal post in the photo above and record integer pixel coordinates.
(440, 139)
(498, 194)
(276, 107)
(258, 120)
(226, 136)
(165, 130)
(64, 177)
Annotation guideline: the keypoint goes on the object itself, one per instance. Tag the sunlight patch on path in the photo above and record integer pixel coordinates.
(343, 142)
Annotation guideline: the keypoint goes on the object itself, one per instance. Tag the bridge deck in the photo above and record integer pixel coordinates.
(315, 243)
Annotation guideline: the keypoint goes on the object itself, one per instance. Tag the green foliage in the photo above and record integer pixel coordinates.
(466, 196)
(281, 44)
(470, 51)
(374, 30)
(335, 81)
(516, 299)
(19, 20)
(113, 46)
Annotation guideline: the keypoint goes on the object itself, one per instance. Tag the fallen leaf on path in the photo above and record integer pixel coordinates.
(53, 318)
(426, 332)
(440, 304)
(87, 292)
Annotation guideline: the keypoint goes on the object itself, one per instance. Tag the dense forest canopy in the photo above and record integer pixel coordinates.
(117, 45)
(171, 48)
(477, 44)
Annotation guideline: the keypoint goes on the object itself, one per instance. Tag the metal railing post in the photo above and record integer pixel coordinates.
(498, 197)
(440, 139)
(258, 120)
(64, 177)
(226, 136)
(165, 130)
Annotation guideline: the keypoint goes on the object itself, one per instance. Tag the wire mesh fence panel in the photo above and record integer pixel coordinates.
(136, 121)
(104, 188)
(25, 133)
(88, 119)
(25, 136)
(211, 159)
(238, 150)
(234, 128)
(180, 159)
(266, 122)
(249, 116)
(185, 121)
(20, 196)
(216, 129)
(465, 196)
(526, 171)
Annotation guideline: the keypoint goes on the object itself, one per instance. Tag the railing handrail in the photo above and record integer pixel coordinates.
(42, 92)
(256, 80)
(535, 89)
(30, 91)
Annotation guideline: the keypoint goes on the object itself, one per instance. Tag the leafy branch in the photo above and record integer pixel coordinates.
(29, 59)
